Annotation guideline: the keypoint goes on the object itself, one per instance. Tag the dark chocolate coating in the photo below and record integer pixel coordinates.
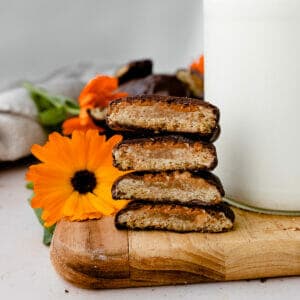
(128, 135)
(98, 122)
(134, 70)
(193, 80)
(159, 84)
(167, 138)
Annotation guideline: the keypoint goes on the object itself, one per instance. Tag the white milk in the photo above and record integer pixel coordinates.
(252, 73)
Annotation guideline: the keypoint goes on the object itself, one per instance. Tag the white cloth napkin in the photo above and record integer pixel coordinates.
(19, 128)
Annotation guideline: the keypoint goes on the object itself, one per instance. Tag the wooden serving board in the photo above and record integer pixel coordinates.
(93, 254)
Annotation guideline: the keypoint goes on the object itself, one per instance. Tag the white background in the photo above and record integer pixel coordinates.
(37, 36)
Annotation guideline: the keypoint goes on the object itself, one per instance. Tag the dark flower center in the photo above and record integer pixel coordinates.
(84, 181)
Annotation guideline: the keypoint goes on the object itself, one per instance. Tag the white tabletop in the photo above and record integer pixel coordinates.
(26, 271)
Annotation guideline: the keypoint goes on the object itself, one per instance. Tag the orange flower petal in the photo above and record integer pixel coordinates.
(102, 204)
(75, 124)
(99, 92)
(88, 100)
(98, 84)
(95, 158)
(71, 204)
(107, 159)
(198, 65)
(50, 199)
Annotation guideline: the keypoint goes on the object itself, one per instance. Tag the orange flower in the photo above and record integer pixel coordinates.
(97, 93)
(75, 124)
(75, 176)
(198, 65)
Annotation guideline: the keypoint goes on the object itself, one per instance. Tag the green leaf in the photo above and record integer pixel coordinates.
(44, 100)
(38, 212)
(48, 231)
(29, 185)
(72, 108)
(53, 116)
(41, 98)
(52, 109)
(48, 234)
(39, 93)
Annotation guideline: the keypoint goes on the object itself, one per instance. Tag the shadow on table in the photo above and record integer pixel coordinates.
(23, 162)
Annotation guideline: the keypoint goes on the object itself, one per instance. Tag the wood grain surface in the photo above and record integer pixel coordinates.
(93, 254)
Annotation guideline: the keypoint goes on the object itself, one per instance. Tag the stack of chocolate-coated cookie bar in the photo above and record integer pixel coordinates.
(168, 144)
(137, 78)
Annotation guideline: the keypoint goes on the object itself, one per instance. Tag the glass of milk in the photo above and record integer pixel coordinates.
(252, 72)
